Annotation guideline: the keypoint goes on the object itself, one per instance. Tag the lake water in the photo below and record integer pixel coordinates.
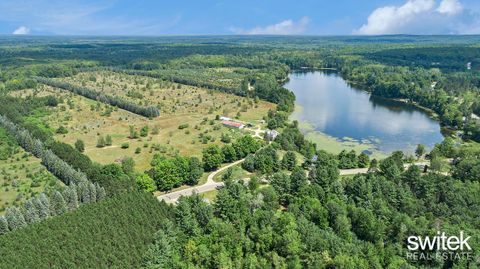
(330, 107)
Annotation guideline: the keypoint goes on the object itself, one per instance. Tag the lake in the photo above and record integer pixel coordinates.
(337, 116)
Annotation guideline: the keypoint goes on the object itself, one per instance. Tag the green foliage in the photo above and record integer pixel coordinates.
(61, 130)
(212, 157)
(289, 160)
(101, 142)
(94, 236)
(145, 183)
(169, 173)
(420, 150)
(149, 112)
(80, 145)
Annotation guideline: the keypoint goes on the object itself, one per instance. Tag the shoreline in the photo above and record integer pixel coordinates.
(335, 144)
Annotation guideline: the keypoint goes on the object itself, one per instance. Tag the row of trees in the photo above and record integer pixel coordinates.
(265, 85)
(150, 111)
(110, 176)
(41, 207)
(52, 162)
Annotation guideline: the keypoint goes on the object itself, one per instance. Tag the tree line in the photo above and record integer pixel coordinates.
(150, 111)
(52, 162)
(41, 207)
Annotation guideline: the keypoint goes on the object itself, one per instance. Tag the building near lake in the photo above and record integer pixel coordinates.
(271, 134)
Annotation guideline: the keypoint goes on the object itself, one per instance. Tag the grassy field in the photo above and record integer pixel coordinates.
(21, 174)
(186, 125)
(237, 173)
(210, 195)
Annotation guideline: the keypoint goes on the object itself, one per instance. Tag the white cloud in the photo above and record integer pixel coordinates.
(79, 17)
(22, 30)
(286, 27)
(450, 7)
(421, 17)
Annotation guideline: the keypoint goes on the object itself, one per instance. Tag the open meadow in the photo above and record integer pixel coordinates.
(21, 174)
(188, 122)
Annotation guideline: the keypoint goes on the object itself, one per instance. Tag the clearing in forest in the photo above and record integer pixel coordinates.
(21, 174)
(187, 123)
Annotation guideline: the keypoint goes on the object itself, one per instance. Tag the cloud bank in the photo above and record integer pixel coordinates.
(422, 17)
(286, 27)
(22, 30)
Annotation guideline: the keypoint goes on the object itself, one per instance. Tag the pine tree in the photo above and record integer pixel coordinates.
(101, 142)
(71, 197)
(100, 192)
(42, 205)
(93, 192)
(3, 225)
(108, 140)
(31, 212)
(57, 204)
(15, 218)
(84, 193)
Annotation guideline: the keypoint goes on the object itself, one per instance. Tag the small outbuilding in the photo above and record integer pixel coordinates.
(233, 124)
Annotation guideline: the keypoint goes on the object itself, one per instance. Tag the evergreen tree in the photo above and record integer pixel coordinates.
(42, 205)
(3, 225)
(100, 191)
(71, 197)
(100, 142)
(57, 204)
(15, 218)
(108, 140)
(93, 192)
(84, 192)
(31, 212)
(80, 145)
(289, 161)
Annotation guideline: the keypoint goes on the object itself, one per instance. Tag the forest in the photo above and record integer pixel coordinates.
(288, 207)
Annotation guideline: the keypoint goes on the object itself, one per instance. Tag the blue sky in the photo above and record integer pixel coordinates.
(188, 17)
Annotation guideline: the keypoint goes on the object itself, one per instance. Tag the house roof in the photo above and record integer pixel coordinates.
(233, 123)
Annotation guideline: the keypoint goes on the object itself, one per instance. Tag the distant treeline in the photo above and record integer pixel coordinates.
(149, 111)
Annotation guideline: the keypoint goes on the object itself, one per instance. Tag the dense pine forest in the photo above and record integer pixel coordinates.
(114, 122)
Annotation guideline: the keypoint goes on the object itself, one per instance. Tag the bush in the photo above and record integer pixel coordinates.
(183, 126)
(61, 130)
(125, 145)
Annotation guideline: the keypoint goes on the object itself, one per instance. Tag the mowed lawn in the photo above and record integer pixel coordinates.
(196, 108)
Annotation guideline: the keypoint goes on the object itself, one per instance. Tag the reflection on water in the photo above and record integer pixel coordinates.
(333, 107)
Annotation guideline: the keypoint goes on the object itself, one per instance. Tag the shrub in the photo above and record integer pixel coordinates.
(183, 126)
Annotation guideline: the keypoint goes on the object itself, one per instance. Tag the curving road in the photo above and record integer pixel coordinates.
(211, 185)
